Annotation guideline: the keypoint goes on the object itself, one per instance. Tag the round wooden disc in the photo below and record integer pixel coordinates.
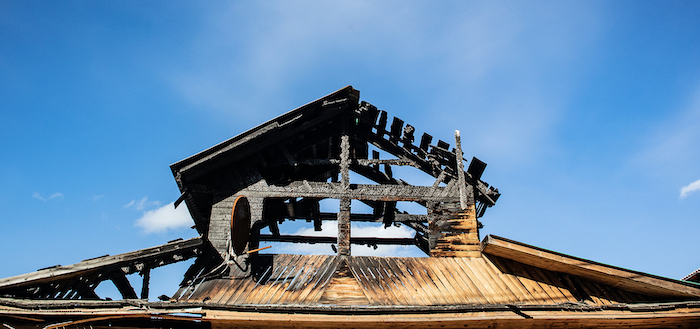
(240, 224)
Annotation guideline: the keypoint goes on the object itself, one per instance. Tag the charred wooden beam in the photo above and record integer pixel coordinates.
(398, 218)
(343, 238)
(460, 172)
(99, 269)
(396, 128)
(407, 137)
(402, 153)
(419, 227)
(425, 142)
(421, 241)
(123, 285)
(373, 173)
(330, 240)
(303, 189)
(146, 273)
(381, 125)
(282, 128)
(369, 114)
(389, 213)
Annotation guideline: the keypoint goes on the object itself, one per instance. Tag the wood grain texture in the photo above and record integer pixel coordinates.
(386, 281)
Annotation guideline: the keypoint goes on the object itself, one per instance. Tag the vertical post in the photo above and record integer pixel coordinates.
(460, 172)
(344, 213)
(146, 281)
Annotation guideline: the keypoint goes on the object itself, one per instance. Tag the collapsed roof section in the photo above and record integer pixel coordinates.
(513, 285)
(291, 162)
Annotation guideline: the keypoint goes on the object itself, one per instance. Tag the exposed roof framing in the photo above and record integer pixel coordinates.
(78, 281)
(298, 152)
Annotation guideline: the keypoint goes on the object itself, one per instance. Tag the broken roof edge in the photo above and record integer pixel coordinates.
(169, 307)
(693, 277)
(603, 273)
(183, 249)
(225, 146)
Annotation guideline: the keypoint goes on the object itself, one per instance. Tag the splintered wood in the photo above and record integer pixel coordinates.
(288, 164)
(455, 232)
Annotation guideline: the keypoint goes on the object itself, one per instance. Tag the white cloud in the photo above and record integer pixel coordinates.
(164, 218)
(142, 204)
(690, 188)
(57, 195)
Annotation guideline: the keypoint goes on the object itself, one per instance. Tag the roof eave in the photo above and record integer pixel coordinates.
(606, 274)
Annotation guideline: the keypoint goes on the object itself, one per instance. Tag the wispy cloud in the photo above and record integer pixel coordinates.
(671, 146)
(57, 195)
(97, 197)
(164, 218)
(466, 47)
(142, 204)
(690, 188)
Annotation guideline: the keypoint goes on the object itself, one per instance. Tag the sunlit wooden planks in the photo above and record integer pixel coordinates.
(408, 281)
(449, 281)
(611, 319)
(600, 273)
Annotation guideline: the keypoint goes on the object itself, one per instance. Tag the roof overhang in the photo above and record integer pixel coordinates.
(602, 273)
(142, 314)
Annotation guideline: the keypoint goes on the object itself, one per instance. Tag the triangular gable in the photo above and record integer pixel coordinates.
(304, 145)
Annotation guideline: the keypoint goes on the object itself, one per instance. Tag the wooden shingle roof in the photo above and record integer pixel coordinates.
(509, 273)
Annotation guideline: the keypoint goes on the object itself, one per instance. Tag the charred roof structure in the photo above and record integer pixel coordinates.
(283, 170)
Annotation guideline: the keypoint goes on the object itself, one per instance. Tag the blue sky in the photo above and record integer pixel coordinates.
(587, 112)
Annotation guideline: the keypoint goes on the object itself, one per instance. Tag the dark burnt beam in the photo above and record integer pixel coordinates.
(421, 241)
(373, 174)
(282, 128)
(399, 218)
(304, 189)
(123, 285)
(402, 153)
(419, 227)
(362, 162)
(330, 240)
(99, 269)
(146, 273)
(343, 238)
(460, 172)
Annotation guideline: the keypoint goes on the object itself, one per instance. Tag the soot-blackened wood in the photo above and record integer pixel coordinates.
(344, 212)
(425, 142)
(357, 191)
(343, 238)
(370, 114)
(329, 240)
(146, 273)
(123, 285)
(396, 128)
(389, 213)
(402, 153)
(407, 137)
(381, 125)
(375, 156)
(460, 172)
(374, 217)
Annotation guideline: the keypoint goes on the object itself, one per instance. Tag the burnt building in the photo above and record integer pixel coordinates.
(240, 191)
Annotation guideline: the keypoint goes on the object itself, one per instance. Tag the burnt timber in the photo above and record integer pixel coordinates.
(281, 171)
